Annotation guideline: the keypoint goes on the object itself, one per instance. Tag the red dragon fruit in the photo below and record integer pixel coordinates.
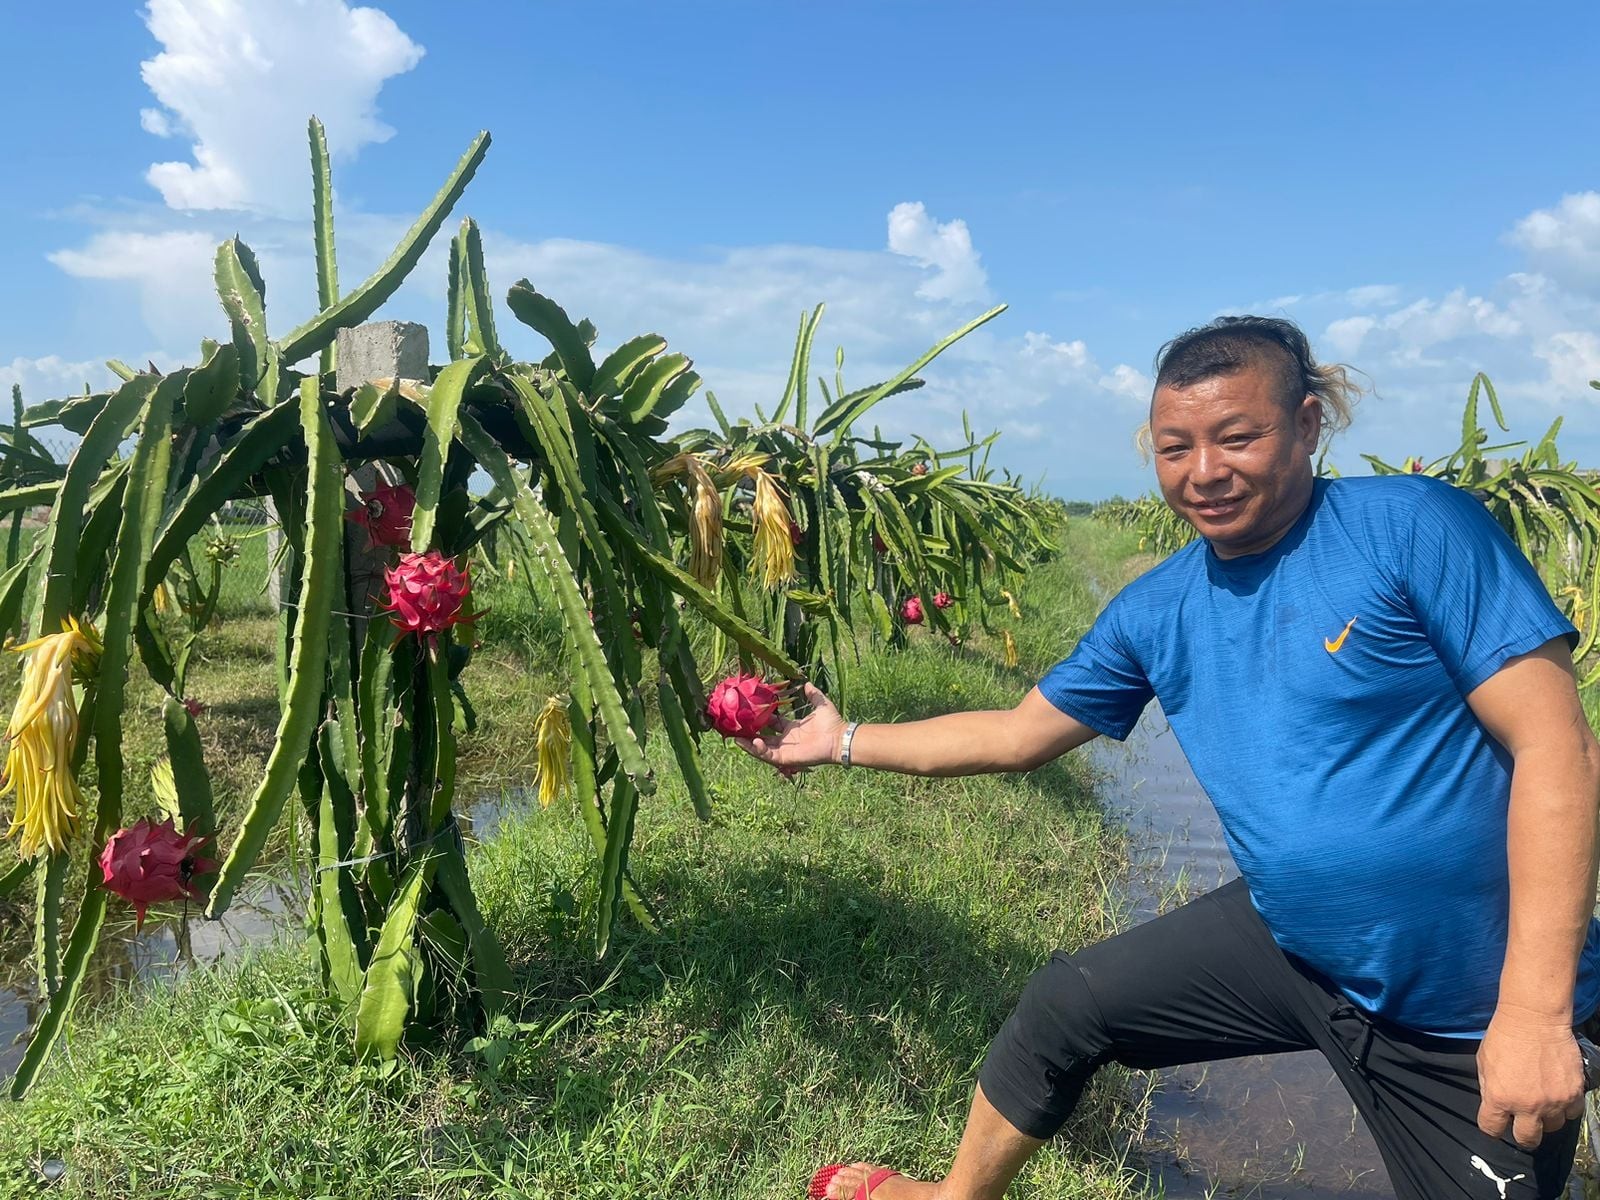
(149, 864)
(742, 706)
(911, 610)
(796, 534)
(942, 600)
(427, 593)
(385, 514)
(878, 543)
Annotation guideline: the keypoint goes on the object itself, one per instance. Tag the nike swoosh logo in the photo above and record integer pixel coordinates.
(1334, 645)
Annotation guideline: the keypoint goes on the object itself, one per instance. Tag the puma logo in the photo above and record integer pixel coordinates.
(1482, 1167)
(1333, 645)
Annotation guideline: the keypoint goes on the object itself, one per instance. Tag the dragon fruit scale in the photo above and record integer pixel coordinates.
(742, 706)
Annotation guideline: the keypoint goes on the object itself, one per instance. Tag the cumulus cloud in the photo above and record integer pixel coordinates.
(945, 247)
(1414, 331)
(1564, 242)
(1574, 359)
(48, 377)
(169, 271)
(240, 78)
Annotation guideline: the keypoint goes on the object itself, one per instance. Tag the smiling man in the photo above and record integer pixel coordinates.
(1374, 689)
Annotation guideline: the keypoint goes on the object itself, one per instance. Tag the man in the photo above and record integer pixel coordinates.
(1375, 690)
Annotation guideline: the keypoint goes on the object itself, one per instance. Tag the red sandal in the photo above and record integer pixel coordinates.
(820, 1181)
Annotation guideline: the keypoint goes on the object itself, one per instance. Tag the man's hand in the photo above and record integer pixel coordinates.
(1530, 1077)
(808, 742)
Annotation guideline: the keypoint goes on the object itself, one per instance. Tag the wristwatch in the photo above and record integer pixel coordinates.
(844, 742)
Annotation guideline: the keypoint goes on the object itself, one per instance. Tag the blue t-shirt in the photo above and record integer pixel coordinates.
(1318, 690)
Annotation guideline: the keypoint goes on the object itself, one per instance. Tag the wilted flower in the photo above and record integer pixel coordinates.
(385, 514)
(911, 610)
(1011, 650)
(774, 547)
(148, 864)
(919, 469)
(705, 524)
(1016, 609)
(44, 735)
(552, 733)
(426, 592)
(742, 706)
(942, 600)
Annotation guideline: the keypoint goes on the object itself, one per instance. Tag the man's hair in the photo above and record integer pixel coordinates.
(1229, 345)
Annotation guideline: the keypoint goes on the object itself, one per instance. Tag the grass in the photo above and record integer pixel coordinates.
(834, 956)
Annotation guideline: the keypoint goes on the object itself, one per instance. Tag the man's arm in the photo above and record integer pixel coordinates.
(1528, 1066)
(963, 743)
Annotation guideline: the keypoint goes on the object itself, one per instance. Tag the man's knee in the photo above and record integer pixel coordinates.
(1046, 1051)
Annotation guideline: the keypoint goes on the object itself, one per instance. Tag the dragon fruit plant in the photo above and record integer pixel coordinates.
(880, 519)
(372, 703)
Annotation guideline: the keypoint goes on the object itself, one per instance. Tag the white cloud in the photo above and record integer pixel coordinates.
(1123, 380)
(1344, 336)
(1574, 359)
(1367, 295)
(46, 378)
(1375, 295)
(170, 269)
(1412, 332)
(1564, 242)
(944, 246)
(241, 78)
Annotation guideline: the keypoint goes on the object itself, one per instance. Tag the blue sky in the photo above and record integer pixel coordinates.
(1416, 183)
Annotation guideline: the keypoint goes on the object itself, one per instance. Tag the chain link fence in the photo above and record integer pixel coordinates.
(238, 541)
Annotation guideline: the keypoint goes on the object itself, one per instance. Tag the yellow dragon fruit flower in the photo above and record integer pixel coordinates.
(552, 733)
(1016, 609)
(1011, 650)
(705, 525)
(774, 544)
(44, 735)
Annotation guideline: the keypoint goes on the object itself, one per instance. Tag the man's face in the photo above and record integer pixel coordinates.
(1232, 461)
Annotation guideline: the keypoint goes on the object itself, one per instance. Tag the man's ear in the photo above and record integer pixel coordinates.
(1308, 422)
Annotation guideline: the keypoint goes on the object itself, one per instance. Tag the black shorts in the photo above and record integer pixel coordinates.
(1207, 982)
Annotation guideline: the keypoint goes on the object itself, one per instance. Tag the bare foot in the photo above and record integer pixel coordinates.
(848, 1182)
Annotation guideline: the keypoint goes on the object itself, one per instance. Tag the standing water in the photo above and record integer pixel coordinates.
(1248, 1127)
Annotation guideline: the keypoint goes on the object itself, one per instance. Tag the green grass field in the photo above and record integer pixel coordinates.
(834, 956)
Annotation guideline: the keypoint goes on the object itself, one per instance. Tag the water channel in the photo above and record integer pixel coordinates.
(1250, 1127)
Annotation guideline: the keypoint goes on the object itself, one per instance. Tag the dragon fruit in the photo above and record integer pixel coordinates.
(942, 600)
(742, 706)
(385, 514)
(911, 610)
(427, 593)
(149, 864)
(878, 544)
